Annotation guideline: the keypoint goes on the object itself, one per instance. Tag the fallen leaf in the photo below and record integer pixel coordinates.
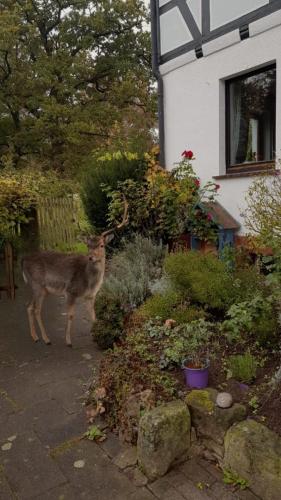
(6, 446)
(79, 464)
(12, 438)
(87, 356)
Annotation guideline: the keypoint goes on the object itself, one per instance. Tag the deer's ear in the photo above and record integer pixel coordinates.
(108, 238)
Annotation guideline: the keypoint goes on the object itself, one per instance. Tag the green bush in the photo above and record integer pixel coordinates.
(109, 328)
(108, 170)
(132, 272)
(247, 282)
(242, 367)
(170, 305)
(257, 317)
(203, 278)
(128, 283)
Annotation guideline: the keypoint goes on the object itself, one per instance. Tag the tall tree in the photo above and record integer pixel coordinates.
(74, 77)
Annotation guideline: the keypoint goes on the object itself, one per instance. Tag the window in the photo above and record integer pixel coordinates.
(251, 109)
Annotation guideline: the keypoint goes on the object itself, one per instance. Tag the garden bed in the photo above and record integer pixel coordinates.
(188, 305)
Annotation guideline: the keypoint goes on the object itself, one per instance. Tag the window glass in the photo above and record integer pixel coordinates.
(251, 102)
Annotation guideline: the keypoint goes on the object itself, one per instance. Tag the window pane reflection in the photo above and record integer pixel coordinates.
(251, 110)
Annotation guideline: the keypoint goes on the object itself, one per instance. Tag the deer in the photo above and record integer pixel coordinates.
(72, 275)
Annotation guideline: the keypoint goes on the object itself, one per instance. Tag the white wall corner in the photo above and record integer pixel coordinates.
(265, 23)
(177, 63)
(221, 42)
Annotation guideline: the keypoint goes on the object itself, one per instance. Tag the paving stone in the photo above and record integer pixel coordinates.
(163, 490)
(28, 468)
(69, 394)
(98, 475)
(221, 492)
(196, 473)
(126, 458)
(24, 391)
(112, 446)
(5, 490)
(141, 494)
(186, 487)
(246, 495)
(136, 476)
(212, 468)
(65, 492)
(7, 405)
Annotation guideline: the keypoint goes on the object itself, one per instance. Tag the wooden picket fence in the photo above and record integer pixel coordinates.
(58, 222)
(57, 225)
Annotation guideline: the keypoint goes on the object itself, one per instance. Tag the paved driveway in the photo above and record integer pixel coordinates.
(42, 420)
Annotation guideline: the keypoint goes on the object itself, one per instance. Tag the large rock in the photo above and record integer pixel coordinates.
(164, 438)
(210, 421)
(253, 452)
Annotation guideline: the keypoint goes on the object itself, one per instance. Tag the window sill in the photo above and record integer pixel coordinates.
(248, 171)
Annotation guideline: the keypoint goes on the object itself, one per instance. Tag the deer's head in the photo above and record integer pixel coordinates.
(96, 244)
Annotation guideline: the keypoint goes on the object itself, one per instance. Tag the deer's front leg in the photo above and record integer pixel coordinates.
(91, 308)
(70, 316)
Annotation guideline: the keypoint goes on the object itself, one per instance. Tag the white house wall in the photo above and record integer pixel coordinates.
(194, 104)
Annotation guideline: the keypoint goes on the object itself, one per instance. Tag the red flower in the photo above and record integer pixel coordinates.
(187, 154)
(197, 182)
(217, 186)
(209, 216)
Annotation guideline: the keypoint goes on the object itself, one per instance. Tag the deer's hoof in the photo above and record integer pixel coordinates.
(36, 340)
(48, 343)
(69, 345)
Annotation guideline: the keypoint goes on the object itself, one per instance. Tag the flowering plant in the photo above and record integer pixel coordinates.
(166, 203)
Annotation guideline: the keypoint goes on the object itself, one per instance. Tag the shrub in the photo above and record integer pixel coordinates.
(263, 212)
(166, 203)
(242, 367)
(170, 305)
(132, 272)
(202, 278)
(130, 276)
(110, 323)
(108, 170)
(247, 282)
(256, 317)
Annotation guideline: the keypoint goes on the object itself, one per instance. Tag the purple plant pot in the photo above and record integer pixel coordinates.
(196, 378)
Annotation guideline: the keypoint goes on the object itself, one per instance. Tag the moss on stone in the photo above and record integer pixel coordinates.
(254, 452)
(201, 400)
(164, 438)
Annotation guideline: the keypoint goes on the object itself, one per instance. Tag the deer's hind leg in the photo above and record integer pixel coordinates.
(37, 310)
(31, 319)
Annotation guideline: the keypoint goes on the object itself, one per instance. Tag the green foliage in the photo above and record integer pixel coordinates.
(256, 317)
(263, 212)
(108, 171)
(127, 372)
(230, 477)
(242, 367)
(173, 345)
(170, 305)
(74, 77)
(254, 404)
(94, 433)
(203, 278)
(20, 191)
(132, 272)
(128, 283)
(109, 327)
(166, 203)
